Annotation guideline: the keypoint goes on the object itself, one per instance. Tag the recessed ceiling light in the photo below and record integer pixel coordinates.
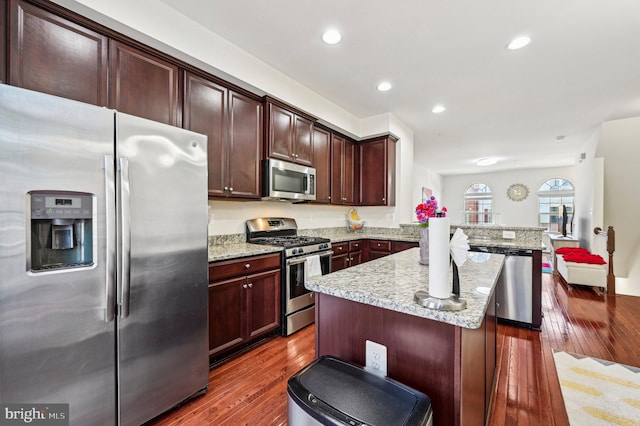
(438, 109)
(331, 37)
(486, 161)
(384, 86)
(519, 42)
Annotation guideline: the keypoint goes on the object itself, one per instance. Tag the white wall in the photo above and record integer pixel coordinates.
(588, 205)
(511, 213)
(619, 145)
(424, 178)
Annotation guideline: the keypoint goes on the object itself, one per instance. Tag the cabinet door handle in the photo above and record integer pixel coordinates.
(231, 189)
(250, 285)
(383, 199)
(244, 286)
(247, 265)
(226, 188)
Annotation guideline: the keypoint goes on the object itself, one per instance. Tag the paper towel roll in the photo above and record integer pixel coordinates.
(439, 229)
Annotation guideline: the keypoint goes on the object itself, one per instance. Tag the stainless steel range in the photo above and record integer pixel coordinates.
(302, 257)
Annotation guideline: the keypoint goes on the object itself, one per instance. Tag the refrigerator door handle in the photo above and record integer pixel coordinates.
(124, 237)
(109, 177)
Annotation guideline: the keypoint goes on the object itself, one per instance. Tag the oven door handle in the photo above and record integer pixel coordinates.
(327, 253)
(302, 259)
(296, 261)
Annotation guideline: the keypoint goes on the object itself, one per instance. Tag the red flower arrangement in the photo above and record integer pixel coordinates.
(429, 209)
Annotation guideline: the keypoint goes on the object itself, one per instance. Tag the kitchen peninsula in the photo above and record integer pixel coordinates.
(450, 356)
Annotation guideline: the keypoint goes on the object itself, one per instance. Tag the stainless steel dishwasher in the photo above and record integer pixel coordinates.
(514, 290)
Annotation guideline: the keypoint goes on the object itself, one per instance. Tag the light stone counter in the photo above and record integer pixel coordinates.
(390, 282)
(236, 250)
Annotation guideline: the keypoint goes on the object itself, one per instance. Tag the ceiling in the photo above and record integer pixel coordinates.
(532, 107)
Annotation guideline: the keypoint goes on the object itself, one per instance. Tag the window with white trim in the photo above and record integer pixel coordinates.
(477, 204)
(552, 195)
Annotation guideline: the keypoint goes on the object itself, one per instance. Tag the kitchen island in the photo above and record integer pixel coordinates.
(450, 356)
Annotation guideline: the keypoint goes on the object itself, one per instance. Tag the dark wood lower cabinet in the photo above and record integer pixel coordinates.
(454, 366)
(346, 254)
(398, 246)
(377, 248)
(244, 302)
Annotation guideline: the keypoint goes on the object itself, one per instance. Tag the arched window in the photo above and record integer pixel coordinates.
(477, 204)
(553, 194)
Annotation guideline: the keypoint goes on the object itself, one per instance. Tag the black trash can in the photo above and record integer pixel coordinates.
(330, 391)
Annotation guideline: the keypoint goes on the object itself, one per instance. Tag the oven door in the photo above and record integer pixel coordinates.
(297, 296)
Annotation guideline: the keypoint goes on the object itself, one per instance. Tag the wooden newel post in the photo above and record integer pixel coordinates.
(611, 247)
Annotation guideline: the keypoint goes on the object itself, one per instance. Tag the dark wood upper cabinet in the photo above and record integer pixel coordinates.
(377, 160)
(343, 156)
(52, 55)
(205, 112)
(245, 145)
(322, 164)
(142, 84)
(3, 41)
(233, 125)
(289, 135)
(280, 123)
(303, 141)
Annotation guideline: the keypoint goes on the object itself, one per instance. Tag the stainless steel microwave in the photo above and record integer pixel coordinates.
(282, 180)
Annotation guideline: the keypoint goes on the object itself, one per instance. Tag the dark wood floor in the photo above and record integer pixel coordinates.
(251, 389)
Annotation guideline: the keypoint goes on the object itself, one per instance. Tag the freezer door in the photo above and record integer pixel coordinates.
(162, 331)
(57, 341)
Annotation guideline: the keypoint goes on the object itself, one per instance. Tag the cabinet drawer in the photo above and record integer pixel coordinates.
(355, 246)
(340, 248)
(403, 245)
(244, 266)
(380, 245)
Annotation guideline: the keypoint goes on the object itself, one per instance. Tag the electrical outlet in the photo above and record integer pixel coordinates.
(509, 235)
(376, 358)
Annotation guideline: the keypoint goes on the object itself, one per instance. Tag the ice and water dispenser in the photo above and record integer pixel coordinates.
(61, 230)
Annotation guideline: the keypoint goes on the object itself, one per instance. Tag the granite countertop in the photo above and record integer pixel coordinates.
(523, 245)
(364, 235)
(390, 282)
(237, 250)
(233, 246)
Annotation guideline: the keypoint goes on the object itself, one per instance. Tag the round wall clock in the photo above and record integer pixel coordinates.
(517, 192)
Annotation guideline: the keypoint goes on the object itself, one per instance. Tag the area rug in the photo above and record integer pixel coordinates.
(546, 267)
(598, 392)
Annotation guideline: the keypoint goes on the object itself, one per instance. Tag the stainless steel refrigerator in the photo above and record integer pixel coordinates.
(103, 260)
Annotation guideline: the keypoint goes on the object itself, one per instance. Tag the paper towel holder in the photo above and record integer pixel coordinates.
(453, 303)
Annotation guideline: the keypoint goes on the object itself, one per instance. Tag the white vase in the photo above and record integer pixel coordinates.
(424, 246)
